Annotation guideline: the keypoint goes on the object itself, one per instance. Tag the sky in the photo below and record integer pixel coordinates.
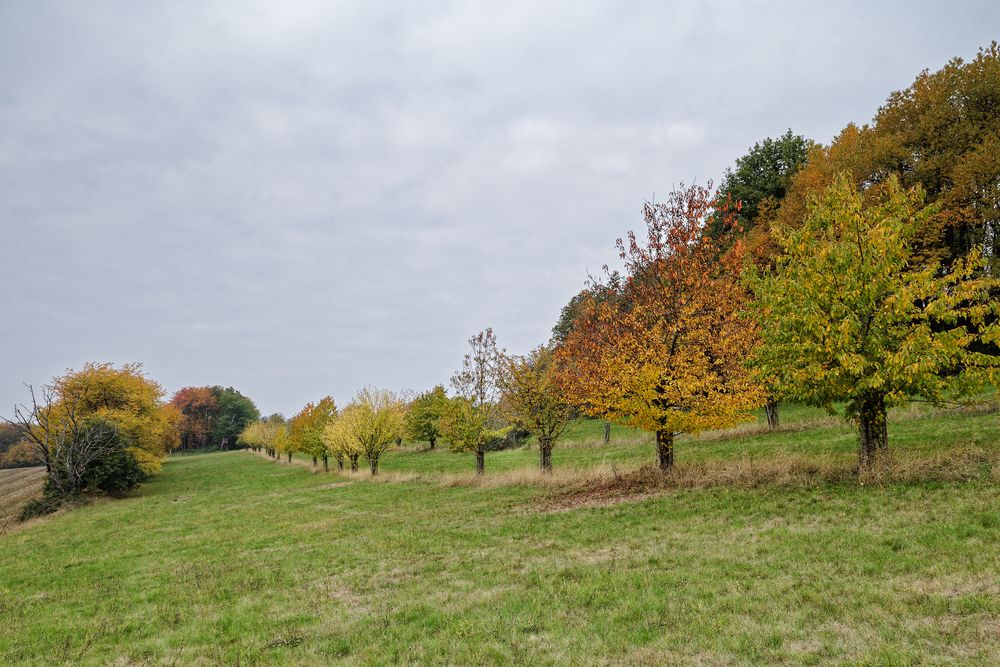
(300, 198)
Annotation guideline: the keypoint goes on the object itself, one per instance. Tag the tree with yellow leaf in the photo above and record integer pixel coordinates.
(284, 445)
(849, 315)
(367, 427)
(340, 440)
(100, 427)
(667, 352)
(261, 435)
(305, 429)
(533, 400)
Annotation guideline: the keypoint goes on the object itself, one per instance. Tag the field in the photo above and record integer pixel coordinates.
(229, 558)
(17, 487)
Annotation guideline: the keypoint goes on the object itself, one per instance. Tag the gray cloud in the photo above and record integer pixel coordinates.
(301, 198)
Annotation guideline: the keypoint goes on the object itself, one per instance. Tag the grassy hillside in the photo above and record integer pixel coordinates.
(229, 558)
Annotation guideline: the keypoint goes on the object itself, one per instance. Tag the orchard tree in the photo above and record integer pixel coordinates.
(283, 443)
(369, 425)
(472, 427)
(340, 440)
(306, 429)
(848, 315)
(472, 420)
(749, 198)
(262, 435)
(379, 423)
(422, 421)
(668, 355)
(532, 399)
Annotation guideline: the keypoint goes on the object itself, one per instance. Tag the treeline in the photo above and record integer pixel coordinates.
(212, 417)
(499, 399)
(860, 273)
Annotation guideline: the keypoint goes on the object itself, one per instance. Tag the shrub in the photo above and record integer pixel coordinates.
(116, 472)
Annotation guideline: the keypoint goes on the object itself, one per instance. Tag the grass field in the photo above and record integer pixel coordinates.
(229, 558)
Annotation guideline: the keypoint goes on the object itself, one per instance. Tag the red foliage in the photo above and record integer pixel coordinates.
(199, 407)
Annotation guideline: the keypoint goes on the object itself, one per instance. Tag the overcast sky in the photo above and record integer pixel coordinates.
(302, 198)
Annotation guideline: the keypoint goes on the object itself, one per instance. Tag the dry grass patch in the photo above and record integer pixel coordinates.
(18, 486)
(786, 471)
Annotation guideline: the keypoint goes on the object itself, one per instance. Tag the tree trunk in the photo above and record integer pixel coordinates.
(289, 457)
(354, 462)
(480, 462)
(607, 432)
(315, 462)
(545, 456)
(399, 442)
(373, 464)
(433, 442)
(873, 436)
(771, 410)
(340, 462)
(665, 449)
(326, 463)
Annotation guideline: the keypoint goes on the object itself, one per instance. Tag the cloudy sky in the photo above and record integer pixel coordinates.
(302, 198)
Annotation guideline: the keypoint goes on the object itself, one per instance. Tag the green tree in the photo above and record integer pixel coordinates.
(760, 178)
(473, 421)
(750, 195)
(848, 316)
(595, 291)
(472, 427)
(422, 421)
(235, 411)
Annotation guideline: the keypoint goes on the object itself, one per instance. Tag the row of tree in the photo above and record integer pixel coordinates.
(496, 394)
(862, 273)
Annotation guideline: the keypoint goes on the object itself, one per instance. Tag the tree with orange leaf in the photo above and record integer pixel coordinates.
(667, 353)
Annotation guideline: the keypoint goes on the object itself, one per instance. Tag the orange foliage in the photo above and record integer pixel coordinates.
(667, 352)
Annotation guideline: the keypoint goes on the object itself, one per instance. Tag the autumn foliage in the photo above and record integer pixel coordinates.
(668, 353)
(850, 315)
(198, 406)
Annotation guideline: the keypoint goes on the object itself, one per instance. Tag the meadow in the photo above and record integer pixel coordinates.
(231, 558)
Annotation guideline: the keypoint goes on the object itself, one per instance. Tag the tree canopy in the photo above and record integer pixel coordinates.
(668, 356)
(848, 315)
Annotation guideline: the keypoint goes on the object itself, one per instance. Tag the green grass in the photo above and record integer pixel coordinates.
(232, 559)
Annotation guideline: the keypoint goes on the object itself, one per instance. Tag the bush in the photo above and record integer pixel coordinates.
(116, 472)
(50, 501)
